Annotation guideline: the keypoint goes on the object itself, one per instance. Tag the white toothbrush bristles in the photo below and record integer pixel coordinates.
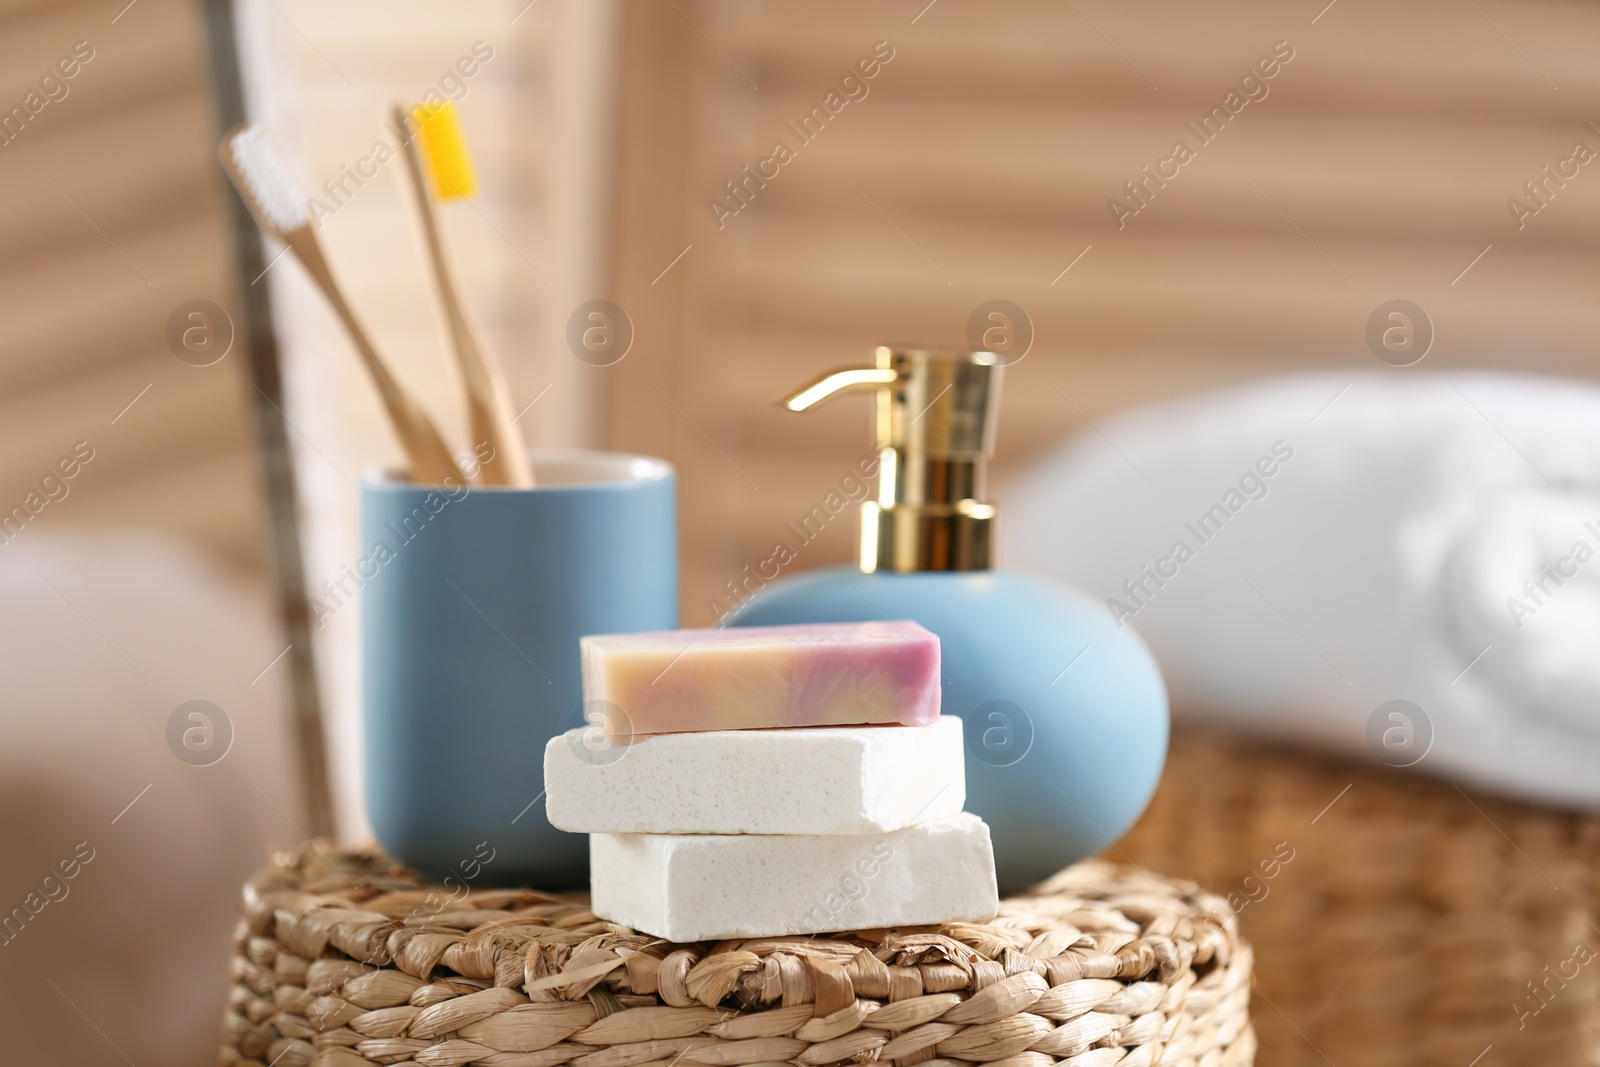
(272, 184)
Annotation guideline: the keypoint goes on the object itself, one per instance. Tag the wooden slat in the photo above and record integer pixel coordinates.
(1205, 295)
(1422, 53)
(90, 309)
(82, 331)
(185, 415)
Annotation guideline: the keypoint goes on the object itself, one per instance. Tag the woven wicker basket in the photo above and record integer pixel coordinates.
(344, 959)
(1405, 928)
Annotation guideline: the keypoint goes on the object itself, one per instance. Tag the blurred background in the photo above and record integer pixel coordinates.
(1002, 151)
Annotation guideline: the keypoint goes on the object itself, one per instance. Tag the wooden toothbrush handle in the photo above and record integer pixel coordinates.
(489, 418)
(427, 456)
(488, 401)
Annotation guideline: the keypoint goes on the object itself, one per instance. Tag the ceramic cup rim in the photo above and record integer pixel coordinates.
(582, 469)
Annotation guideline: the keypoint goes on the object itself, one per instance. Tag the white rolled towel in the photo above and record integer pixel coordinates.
(1347, 541)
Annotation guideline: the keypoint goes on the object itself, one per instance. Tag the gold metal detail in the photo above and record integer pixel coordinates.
(936, 414)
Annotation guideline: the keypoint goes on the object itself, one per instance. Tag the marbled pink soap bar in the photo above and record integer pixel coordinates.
(748, 678)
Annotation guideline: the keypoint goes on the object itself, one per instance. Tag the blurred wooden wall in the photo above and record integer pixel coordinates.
(979, 166)
(109, 219)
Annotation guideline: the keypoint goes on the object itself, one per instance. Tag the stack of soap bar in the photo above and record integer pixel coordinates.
(745, 785)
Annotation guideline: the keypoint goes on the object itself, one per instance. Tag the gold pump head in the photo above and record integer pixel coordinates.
(936, 424)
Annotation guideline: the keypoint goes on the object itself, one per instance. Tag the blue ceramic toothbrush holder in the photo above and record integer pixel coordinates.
(473, 600)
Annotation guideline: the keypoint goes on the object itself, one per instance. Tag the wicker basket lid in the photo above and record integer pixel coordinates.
(345, 959)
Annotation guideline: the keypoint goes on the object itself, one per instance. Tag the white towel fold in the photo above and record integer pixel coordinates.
(1397, 550)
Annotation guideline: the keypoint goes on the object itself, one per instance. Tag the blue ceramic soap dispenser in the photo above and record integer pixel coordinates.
(1065, 713)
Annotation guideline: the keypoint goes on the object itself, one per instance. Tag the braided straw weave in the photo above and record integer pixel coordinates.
(1417, 924)
(344, 959)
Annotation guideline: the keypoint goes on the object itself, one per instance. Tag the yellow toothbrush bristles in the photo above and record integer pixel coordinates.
(444, 150)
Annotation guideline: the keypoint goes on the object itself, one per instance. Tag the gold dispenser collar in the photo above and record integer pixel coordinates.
(936, 422)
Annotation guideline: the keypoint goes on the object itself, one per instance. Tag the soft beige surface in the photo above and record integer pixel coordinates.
(104, 636)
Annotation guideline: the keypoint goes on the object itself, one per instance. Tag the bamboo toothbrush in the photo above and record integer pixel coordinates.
(440, 150)
(262, 176)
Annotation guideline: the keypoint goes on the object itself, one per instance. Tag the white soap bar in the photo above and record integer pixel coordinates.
(820, 780)
(686, 887)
